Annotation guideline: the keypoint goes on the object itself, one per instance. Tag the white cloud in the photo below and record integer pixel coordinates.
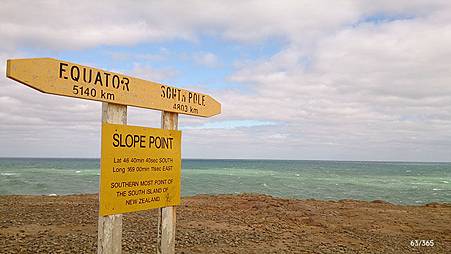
(80, 24)
(354, 79)
(149, 73)
(380, 86)
(206, 59)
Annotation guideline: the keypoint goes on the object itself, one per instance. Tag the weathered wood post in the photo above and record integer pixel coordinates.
(110, 227)
(167, 215)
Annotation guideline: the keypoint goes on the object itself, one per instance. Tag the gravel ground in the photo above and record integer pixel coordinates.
(229, 224)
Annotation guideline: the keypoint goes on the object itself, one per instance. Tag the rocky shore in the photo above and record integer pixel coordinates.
(230, 224)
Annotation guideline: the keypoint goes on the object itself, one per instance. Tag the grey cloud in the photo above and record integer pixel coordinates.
(81, 24)
(341, 88)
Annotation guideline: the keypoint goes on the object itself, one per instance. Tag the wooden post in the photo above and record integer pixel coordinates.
(167, 215)
(109, 233)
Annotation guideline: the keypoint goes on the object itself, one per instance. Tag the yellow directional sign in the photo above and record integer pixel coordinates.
(68, 79)
(140, 168)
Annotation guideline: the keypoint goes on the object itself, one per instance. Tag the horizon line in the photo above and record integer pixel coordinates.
(248, 159)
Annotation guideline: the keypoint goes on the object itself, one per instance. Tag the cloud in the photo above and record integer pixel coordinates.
(352, 80)
(229, 124)
(150, 73)
(382, 85)
(206, 59)
(82, 24)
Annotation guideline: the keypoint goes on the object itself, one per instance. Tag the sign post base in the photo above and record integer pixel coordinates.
(109, 233)
(167, 218)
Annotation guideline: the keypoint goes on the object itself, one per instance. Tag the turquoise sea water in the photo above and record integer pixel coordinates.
(396, 182)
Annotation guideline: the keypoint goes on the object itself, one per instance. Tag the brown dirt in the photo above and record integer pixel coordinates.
(229, 224)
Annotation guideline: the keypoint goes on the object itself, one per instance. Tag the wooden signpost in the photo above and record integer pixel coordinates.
(68, 79)
(140, 167)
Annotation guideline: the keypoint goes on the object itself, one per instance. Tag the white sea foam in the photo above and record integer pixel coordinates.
(52, 195)
(436, 189)
(8, 174)
(242, 176)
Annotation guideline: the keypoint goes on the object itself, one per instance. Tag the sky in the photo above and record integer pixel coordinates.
(301, 80)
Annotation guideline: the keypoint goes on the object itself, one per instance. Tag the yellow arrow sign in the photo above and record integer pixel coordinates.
(68, 79)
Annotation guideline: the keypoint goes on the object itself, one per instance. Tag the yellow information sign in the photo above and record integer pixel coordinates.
(68, 79)
(140, 168)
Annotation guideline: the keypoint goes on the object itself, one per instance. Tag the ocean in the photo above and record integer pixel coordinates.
(395, 182)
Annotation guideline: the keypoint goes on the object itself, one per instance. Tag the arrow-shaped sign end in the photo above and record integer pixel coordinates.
(11, 70)
(23, 70)
(217, 106)
(8, 68)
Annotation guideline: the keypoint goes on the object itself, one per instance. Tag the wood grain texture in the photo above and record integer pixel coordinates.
(110, 227)
(167, 215)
